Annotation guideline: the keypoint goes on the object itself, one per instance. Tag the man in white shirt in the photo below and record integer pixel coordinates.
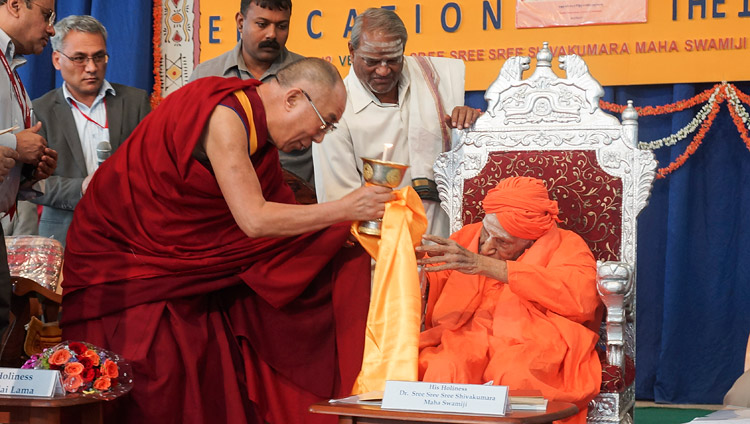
(398, 100)
(25, 28)
(76, 117)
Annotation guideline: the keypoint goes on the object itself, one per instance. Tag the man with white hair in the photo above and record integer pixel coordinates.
(402, 101)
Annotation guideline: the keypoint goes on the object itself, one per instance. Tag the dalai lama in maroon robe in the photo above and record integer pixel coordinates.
(188, 256)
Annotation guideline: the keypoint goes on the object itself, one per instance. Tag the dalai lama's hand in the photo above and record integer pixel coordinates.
(449, 255)
(367, 202)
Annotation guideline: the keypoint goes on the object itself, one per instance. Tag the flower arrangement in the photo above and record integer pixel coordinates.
(85, 369)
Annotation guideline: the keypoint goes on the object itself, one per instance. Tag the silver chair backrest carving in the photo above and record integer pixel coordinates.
(546, 113)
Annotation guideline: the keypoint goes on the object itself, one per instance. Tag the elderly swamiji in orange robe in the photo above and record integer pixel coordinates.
(513, 300)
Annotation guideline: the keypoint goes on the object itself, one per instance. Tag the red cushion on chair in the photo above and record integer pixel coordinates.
(612, 379)
(590, 200)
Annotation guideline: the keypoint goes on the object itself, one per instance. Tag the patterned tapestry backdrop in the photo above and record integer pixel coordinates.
(693, 265)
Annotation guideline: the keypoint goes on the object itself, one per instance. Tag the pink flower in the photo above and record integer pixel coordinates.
(72, 383)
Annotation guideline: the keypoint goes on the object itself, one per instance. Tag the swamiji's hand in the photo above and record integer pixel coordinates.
(367, 202)
(446, 254)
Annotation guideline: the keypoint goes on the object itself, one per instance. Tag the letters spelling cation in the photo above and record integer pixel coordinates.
(451, 17)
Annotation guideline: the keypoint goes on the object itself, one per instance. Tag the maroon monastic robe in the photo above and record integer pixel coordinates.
(219, 327)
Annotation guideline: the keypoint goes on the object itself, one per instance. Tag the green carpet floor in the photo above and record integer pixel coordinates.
(654, 415)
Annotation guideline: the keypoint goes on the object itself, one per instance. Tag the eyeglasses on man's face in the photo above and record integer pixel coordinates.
(82, 60)
(327, 126)
(48, 14)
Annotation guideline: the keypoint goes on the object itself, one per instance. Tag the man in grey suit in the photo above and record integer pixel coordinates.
(76, 117)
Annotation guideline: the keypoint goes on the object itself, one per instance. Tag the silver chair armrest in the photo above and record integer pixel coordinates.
(614, 283)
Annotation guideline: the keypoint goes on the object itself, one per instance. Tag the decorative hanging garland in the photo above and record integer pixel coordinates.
(740, 116)
(671, 140)
(661, 110)
(156, 95)
(742, 96)
(713, 97)
(693, 146)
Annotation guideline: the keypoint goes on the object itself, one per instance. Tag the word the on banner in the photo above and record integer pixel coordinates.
(443, 397)
(552, 13)
(29, 382)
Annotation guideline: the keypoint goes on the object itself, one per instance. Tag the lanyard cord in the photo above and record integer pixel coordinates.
(106, 120)
(19, 90)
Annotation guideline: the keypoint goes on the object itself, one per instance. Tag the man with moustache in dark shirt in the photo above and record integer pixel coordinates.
(263, 26)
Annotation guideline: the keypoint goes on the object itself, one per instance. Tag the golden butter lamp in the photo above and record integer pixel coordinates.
(382, 173)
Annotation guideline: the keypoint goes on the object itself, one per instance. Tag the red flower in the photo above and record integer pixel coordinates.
(77, 347)
(88, 375)
(86, 362)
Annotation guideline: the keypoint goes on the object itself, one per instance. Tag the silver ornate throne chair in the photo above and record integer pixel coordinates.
(552, 128)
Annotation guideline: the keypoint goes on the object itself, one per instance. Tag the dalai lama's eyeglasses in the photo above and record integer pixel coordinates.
(327, 126)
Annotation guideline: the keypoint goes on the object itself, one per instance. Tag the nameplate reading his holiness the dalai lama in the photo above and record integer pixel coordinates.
(28, 382)
(444, 397)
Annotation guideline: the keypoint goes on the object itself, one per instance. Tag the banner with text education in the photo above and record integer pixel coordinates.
(676, 41)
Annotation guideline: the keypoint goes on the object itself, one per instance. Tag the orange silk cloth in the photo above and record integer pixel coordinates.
(393, 320)
(536, 332)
